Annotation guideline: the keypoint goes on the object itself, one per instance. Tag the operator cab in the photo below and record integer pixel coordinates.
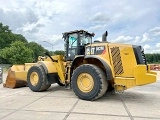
(75, 42)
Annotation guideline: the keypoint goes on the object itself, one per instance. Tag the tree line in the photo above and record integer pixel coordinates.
(15, 49)
(153, 58)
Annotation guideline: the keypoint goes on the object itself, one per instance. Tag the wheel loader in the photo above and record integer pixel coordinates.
(89, 67)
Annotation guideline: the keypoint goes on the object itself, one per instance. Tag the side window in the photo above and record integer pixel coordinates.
(72, 50)
(73, 41)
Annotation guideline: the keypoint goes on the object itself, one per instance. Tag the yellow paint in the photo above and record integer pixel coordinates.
(150, 71)
(28, 65)
(85, 82)
(50, 66)
(133, 74)
(20, 71)
(142, 76)
(60, 68)
(127, 57)
(55, 67)
(107, 61)
(21, 75)
(124, 81)
(34, 78)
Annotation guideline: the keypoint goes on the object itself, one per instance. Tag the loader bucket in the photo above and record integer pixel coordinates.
(17, 76)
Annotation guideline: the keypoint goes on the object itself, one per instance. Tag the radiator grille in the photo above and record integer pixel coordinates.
(117, 62)
(144, 57)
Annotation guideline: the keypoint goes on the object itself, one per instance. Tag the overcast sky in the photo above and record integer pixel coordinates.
(127, 21)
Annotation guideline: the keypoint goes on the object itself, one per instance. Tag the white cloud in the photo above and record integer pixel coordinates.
(123, 39)
(158, 45)
(157, 34)
(99, 39)
(97, 27)
(152, 49)
(156, 31)
(54, 41)
(146, 47)
(31, 27)
(39, 20)
(100, 17)
(145, 38)
(137, 39)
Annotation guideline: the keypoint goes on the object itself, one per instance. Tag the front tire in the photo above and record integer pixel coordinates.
(36, 79)
(89, 82)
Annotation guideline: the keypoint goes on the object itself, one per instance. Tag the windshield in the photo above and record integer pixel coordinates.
(85, 39)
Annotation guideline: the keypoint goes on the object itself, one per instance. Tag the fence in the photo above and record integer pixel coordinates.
(3, 70)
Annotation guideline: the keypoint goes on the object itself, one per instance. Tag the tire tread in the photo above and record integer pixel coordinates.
(43, 86)
(103, 81)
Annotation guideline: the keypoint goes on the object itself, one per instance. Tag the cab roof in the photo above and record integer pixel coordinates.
(77, 31)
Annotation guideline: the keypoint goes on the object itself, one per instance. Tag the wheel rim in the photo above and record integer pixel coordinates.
(85, 82)
(34, 78)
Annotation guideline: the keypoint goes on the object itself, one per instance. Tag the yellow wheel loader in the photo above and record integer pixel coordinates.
(89, 67)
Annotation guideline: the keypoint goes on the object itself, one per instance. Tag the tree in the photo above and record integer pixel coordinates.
(4, 28)
(153, 58)
(38, 50)
(59, 52)
(7, 37)
(17, 53)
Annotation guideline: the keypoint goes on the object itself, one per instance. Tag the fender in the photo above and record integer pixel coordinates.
(49, 66)
(75, 60)
(105, 64)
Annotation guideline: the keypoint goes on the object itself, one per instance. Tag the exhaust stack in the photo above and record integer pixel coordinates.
(104, 36)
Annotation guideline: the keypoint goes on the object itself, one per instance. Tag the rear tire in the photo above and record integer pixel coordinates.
(36, 79)
(89, 82)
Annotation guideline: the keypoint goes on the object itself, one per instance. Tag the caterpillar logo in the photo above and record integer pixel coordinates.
(94, 50)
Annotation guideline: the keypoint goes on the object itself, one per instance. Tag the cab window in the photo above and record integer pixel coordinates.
(85, 39)
(73, 40)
